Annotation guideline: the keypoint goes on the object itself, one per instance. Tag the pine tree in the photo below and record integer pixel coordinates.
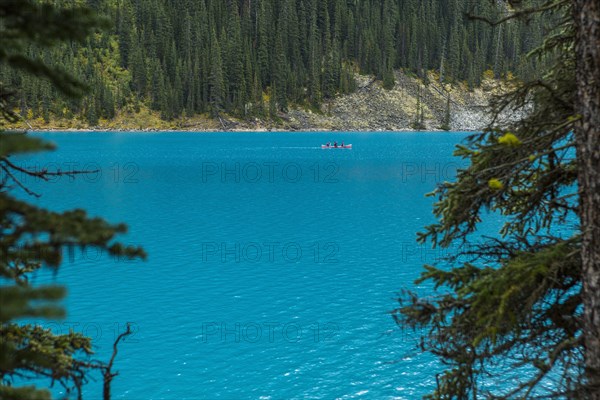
(38, 236)
(523, 303)
(280, 73)
(216, 81)
(586, 17)
(235, 61)
(314, 57)
(263, 45)
(447, 118)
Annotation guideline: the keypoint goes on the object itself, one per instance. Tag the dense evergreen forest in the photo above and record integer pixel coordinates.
(257, 57)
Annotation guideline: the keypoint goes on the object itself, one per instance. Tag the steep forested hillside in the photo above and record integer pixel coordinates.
(256, 57)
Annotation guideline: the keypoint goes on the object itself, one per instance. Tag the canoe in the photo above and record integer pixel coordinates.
(346, 146)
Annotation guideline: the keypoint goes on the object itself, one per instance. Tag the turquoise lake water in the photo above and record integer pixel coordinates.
(273, 264)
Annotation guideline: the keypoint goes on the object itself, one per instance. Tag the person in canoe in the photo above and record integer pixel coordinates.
(342, 144)
(328, 144)
(335, 144)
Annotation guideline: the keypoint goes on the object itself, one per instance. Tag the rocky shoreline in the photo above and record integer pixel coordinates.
(370, 108)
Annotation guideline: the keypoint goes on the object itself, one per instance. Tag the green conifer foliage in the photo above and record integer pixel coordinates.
(32, 237)
(158, 45)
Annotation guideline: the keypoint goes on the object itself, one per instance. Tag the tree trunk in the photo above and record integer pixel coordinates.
(587, 23)
(106, 388)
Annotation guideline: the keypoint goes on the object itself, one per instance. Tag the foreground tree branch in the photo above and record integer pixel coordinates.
(32, 237)
(524, 309)
(107, 372)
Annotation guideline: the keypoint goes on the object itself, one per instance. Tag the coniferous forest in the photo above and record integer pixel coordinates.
(256, 57)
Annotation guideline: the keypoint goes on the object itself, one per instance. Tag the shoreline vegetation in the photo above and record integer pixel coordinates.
(152, 130)
(411, 105)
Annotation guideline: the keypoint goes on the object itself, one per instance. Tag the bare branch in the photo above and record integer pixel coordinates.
(107, 373)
